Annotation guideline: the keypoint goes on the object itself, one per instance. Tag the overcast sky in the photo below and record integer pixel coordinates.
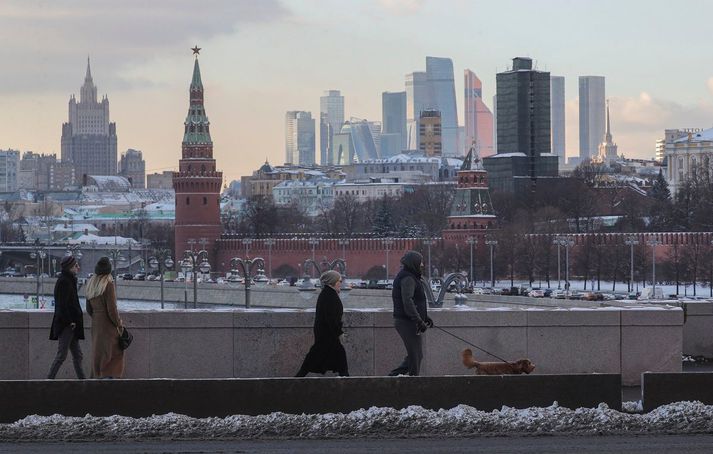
(262, 58)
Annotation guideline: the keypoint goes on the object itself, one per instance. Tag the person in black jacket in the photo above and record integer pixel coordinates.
(327, 353)
(68, 321)
(410, 312)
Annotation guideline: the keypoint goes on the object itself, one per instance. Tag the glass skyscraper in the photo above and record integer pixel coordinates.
(557, 110)
(393, 116)
(299, 138)
(591, 115)
(331, 119)
(439, 72)
(478, 118)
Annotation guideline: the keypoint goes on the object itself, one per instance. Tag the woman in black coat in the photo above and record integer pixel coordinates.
(327, 353)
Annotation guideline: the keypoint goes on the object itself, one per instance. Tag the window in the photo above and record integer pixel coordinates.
(188, 200)
(205, 200)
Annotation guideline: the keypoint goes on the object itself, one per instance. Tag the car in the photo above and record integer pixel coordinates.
(127, 276)
(558, 294)
(536, 293)
(548, 292)
(140, 276)
(283, 283)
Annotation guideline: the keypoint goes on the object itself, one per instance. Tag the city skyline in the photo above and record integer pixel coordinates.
(144, 72)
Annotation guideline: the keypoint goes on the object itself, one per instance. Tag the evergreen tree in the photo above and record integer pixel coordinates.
(660, 191)
(661, 213)
(383, 221)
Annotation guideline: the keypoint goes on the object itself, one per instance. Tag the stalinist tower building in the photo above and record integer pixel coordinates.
(197, 182)
(89, 138)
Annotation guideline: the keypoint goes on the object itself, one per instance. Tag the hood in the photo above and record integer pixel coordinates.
(412, 262)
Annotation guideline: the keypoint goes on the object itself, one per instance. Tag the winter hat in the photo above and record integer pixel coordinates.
(412, 261)
(103, 266)
(67, 262)
(330, 278)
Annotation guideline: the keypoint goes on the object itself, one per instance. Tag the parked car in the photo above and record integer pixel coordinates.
(127, 276)
(536, 293)
(548, 292)
(559, 294)
(140, 276)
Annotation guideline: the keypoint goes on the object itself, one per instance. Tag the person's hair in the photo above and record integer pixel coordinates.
(330, 278)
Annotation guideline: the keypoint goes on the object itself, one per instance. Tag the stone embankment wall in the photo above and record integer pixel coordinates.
(272, 343)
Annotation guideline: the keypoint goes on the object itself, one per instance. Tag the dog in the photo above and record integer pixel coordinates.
(521, 366)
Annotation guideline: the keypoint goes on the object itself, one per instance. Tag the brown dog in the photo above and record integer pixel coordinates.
(521, 366)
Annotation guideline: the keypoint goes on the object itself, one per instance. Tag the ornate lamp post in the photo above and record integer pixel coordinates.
(196, 261)
(387, 244)
(653, 242)
(491, 242)
(269, 243)
(247, 266)
(428, 243)
(631, 241)
(471, 241)
(558, 241)
(344, 243)
(38, 253)
(247, 242)
(116, 259)
(567, 242)
(161, 260)
(313, 242)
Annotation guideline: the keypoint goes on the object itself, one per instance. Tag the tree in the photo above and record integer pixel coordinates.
(660, 211)
(383, 222)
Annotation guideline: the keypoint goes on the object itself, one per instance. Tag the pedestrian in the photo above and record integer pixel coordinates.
(327, 353)
(107, 357)
(68, 321)
(410, 312)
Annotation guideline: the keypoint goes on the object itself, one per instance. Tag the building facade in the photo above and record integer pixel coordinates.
(313, 196)
(430, 133)
(478, 118)
(418, 98)
(524, 147)
(43, 172)
(9, 170)
(133, 167)
(331, 119)
(299, 138)
(439, 71)
(89, 138)
(354, 143)
(163, 180)
(592, 97)
(393, 118)
(686, 151)
(197, 183)
(557, 117)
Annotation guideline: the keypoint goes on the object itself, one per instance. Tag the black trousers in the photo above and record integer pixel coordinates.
(408, 331)
(67, 342)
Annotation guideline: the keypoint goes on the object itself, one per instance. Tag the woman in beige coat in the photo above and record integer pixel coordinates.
(107, 357)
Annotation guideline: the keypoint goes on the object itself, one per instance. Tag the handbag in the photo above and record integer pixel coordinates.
(125, 339)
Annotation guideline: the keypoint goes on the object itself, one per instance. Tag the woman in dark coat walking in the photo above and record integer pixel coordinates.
(68, 321)
(327, 353)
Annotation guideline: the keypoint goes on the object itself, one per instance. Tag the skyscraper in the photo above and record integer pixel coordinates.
(557, 117)
(197, 183)
(478, 118)
(430, 132)
(299, 138)
(524, 147)
(591, 115)
(89, 138)
(418, 98)
(393, 115)
(443, 96)
(331, 119)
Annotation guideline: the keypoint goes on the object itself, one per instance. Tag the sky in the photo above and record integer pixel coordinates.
(263, 58)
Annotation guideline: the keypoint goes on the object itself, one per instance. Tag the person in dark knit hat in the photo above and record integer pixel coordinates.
(107, 357)
(68, 320)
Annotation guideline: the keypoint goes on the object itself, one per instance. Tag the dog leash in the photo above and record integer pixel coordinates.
(471, 344)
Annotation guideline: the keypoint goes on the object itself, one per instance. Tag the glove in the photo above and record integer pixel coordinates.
(429, 322)
(422, 327)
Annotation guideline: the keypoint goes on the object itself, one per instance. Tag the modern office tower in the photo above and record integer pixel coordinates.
(393, 116)
(9, 170)
(443, 96)
(659, 151)
(430, 132)
(375, 127)
(89, 138)
(478, 118)
(390, 145)
(299, 138)
(524, 147)
(418, 98)
(354, 143)
(557, 114)
(133, 167)
(495, 123)
(331, 119)
(198, 182)
(591, 115)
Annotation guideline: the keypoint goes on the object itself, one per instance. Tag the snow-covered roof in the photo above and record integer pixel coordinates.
(110, 182)
(508, 155)
(701, 136)
(74, 228)
(90, 238)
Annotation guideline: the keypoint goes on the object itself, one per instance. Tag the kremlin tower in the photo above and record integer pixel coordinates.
(197, 182)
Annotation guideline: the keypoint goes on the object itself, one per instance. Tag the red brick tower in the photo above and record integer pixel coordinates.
(197, 182)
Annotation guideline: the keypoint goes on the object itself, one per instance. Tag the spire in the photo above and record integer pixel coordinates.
(196, 82)
(607, 134)
(88, 92)
(88, 76)
(472, 160)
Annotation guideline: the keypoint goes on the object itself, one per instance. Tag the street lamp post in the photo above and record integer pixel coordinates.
(472, 241)
(161, 260)
(491, 242)
(195, 261)
(567, 242)
(247, 267)
(387, 244)
(344, 243)
(631, 241)
(653, 242)
(38, 253)
(313, 242)
(428, 244)
(247, 242)
(558, 241)
(269, 243)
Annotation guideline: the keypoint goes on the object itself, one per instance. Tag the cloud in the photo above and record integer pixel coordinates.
(709, 83)
(402, 7)
(44, 41)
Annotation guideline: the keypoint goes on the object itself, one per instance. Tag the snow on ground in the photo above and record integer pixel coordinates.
(414, 421)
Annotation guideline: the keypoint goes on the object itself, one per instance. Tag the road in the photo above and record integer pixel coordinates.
(631, 444)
